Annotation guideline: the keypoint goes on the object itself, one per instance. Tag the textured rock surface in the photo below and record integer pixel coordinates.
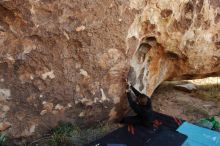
(174, 40)
(61, 60)
(66, 60)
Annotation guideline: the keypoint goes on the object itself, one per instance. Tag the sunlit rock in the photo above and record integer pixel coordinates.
(173, 40)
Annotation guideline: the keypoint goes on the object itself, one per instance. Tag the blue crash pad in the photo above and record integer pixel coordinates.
(198, 136)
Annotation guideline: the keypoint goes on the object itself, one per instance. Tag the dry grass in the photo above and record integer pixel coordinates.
(209, 93)
(194, 113)
(66, 134)
(208, 89)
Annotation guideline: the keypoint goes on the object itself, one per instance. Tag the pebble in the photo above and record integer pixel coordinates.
(82, 114)
(5, 108)
(43, 112)
(80, 28)
(4, 126)
(59, 107)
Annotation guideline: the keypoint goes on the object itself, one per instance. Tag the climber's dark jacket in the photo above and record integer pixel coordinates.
(144, 112)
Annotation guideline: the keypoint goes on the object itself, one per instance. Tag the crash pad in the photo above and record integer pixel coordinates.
(144, 136)
(165, 135)
(199, 136)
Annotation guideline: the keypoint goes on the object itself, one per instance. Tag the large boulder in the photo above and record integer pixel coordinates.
(67, 60)
(174, 40)
(61, 60)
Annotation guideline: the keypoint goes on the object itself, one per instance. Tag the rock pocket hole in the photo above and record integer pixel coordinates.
(152, 41)
(142, 51)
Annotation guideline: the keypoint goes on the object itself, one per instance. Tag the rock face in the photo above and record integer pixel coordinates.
(173, 40)
(67, 60)
(59, 59)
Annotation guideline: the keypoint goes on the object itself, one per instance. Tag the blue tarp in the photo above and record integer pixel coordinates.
(198, 136)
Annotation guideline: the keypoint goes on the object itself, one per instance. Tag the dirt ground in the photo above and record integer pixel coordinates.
(189, 106)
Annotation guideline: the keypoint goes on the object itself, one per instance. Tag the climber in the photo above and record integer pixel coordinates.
(143, 110)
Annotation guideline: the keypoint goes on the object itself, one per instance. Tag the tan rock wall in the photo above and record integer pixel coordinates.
(174, 40)
(61, 60)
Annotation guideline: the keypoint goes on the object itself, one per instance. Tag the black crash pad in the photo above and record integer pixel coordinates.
(143, 137)
(165, 135)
